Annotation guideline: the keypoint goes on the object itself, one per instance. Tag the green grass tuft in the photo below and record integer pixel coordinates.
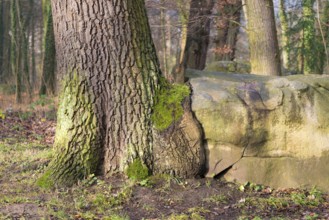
(45, 181)
(137, 170)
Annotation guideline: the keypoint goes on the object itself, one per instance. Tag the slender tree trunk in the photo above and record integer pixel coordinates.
(24, 48)
(322, 30)
(6, 42)
(309, 37)
(183, 17)
(48, 78)
(178, 72)
(1, 39)
(113, 81)
(163, 39)
(197, 39)
(198, 34)
(33, 70)
(16, 57)
(227, 29)
(325, 25)
(263, 42)
(168, 45)
(284, 35)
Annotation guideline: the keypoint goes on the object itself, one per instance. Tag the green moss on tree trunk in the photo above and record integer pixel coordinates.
(77, 137)
(168, 107)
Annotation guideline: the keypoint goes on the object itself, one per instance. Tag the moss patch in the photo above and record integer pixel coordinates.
(168, 107)
(137, 170)
(45, 181)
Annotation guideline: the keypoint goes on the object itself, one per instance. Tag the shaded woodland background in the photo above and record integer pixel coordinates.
(27, 50)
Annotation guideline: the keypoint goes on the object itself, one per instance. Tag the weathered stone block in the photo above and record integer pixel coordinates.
(264, 129)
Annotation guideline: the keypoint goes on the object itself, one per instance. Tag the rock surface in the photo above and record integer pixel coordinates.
(266, 130)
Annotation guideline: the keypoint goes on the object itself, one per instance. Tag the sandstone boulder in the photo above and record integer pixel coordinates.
(264, 129)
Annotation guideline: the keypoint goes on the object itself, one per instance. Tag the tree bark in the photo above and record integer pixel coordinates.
(263, 42)
(48, 79)
(197, 38)
(16, 39)
(284, 35)
(33, 70)
(228, 29)
(198, 32)
(309, 37)
(6, 42)
(113, 78)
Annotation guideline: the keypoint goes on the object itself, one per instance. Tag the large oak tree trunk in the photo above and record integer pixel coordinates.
(263, 42)
(113, 78)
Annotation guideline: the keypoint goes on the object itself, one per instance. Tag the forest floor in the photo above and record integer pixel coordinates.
(25, 151)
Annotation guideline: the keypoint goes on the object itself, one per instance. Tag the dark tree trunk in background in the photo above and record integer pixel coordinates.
(48, 78)
(228, 29)
(16, 40)
(198, 32)
(33, 70)
(262, 35)
(5, 64)
(197, 39)
(113, 78)
(1, 39)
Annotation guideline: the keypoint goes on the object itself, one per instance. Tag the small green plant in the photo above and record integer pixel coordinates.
(313, 199)
(311, 216)
(251, 186)
(137, 170)
(178, 217)
(2, 115)
(218, 199)
(89, 181)
(45, 181)
(198, 210)
(116, 217)
(196, 216)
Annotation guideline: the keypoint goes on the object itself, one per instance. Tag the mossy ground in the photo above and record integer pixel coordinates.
(25, 151)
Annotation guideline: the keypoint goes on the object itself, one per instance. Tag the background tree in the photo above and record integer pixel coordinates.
(263, 43)
(227, 24)
(309, 43)
(5, 66)
(16, 55)
(48, 78)
(113, 85)
(198, 33)
(284, 35)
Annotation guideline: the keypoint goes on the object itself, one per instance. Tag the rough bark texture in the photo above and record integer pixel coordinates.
(228, 28)
(105, 123)
(263, 42)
